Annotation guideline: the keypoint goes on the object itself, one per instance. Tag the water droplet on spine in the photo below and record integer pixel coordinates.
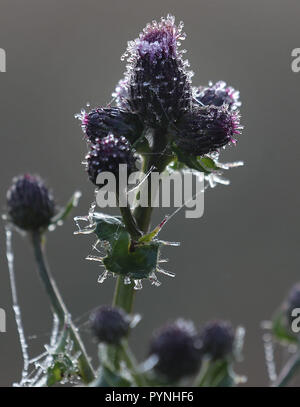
(167, 273)
(154, 280)
(127, 280)
(94, 258)
(103, 277)
(138, 284)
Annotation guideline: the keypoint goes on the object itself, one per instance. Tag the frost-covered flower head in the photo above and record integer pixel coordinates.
(218, 94)
(204, 130)
(30, 204)
(107, 154)
(98, 123)
(293, 301)
(156, 100)
(178, 350)
(217, 339)
(157, 82)
(110, 324)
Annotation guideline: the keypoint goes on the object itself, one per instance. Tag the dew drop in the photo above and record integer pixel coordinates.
(154, 280)
(127, 280)
(103, 277)
(138, 284)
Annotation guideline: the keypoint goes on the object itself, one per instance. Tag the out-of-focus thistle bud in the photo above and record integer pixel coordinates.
(218, 94)
(110, 324)
(177, 348)
(157, 83)
(100, 122)
(293, 301)
(29, 202)
(107, 154)
(206, 129)
(217, 339)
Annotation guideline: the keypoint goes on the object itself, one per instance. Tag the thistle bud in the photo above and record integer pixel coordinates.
(30, 204)
(206, 129)
(159, 84)
(107, 154)
(100, 122)
(177, 349)
(218, 94)
(217, 339)
(293, 301)
(110, 324)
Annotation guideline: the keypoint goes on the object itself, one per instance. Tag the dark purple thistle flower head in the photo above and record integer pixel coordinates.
(218, 94)
(293, 301)
(107, 154)
(29, 202)
(100, 122)
(217, 339)
(110, 324)
(177, 348)
(160, 39)
(206, 129)
(157, 84)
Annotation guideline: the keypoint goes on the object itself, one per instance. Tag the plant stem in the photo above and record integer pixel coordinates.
(288, 371)
(137, 223)
(157, 161)
(124, 295)
(131, 363)
(59, 308)
(130, 223)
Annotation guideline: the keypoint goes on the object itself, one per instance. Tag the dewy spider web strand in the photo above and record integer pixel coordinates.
(16, 308)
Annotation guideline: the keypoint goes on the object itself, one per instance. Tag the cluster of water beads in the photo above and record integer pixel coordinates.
(127, 280)
(216, 177)
(66, 358)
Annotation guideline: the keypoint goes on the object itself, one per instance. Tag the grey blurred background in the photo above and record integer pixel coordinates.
(240, 259)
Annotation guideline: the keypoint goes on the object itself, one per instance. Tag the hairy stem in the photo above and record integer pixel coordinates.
(59, 308)
(130, 223)
(156, 161)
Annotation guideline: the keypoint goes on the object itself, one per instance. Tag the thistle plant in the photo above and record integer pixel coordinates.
(158, 122)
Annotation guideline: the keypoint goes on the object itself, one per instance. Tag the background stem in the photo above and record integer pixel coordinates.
(132, 364)
(59, 308)
(288, 371)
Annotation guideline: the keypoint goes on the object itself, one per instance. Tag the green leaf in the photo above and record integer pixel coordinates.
(202, 164)
(62, 366)
(108, 228)
(209, 163)
(66, 210)
(110, 375)
(218, 374)
(109, 378)
(122, 258)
